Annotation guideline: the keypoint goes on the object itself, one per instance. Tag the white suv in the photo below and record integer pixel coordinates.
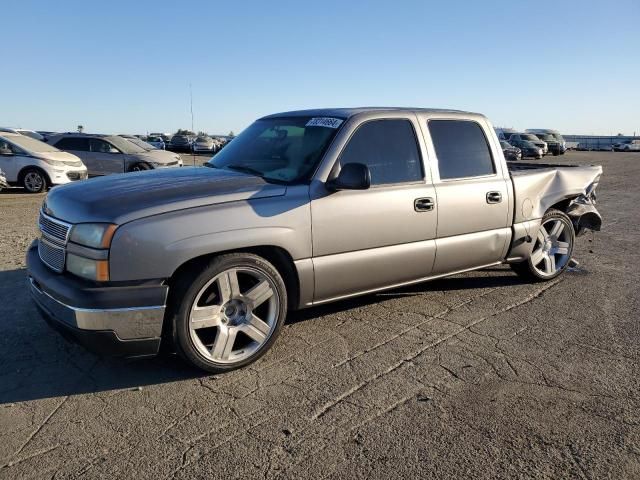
(627, 146)
(36, 165)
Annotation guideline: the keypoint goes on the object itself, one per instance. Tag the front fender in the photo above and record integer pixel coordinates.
(154, 247)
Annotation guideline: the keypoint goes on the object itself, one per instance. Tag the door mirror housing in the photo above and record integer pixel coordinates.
(7, 152)
(352, 176)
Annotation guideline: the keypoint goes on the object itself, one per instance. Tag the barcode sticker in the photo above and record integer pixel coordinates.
(324, 122)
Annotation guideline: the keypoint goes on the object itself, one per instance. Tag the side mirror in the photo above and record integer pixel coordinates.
(352, 176)
(114, 150)
(6, 152)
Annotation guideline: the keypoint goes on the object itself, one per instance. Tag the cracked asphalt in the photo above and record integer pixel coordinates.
(475, 376)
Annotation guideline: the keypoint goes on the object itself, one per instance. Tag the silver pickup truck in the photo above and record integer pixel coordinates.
(301, 209)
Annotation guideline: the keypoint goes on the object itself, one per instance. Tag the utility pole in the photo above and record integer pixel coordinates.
(193, 154)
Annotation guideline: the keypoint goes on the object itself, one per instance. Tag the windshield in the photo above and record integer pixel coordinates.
(142, 144)
(546, 137)
(125, 145)
(531, 138)
(30, 144)
(280, 149)
(154, 139)
(31, 134)
(203, 139)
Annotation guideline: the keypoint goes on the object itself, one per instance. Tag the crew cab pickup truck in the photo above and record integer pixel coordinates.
(301, 209)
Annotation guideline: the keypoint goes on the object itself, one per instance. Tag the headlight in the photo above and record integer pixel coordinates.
(96, 270)
(54, 163)
(94, 235)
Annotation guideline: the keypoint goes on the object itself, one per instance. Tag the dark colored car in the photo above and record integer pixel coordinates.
(180, 143)
(510, 152)
(555, 147)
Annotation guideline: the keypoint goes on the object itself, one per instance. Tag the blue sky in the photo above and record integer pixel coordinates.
(125, 67)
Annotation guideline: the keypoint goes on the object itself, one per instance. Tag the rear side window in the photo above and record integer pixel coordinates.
(73, 143)
(461, 148)
(388, 148)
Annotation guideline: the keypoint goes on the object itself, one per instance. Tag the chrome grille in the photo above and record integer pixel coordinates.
(55, 230)
(52, 255)
(51, 247)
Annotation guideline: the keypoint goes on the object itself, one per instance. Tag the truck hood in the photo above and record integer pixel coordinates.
(125, 197)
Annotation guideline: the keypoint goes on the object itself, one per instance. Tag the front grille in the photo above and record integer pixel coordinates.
(52, 255)
(51, 247)
(54, 229)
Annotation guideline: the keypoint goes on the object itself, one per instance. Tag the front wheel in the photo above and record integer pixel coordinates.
(34, 181)
(139, 167)
(552, 250)
(228, 313)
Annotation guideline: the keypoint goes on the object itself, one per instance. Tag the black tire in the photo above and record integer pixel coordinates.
(186, 290)
(139, 167)
(34, 180)
(527, 271)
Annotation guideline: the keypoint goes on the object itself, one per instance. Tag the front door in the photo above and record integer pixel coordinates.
(473, 196)
(107, 157)
(365, 240)
(9, 160)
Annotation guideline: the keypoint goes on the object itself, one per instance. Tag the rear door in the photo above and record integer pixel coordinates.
(472, 195)
(107, 157)
(368, 239)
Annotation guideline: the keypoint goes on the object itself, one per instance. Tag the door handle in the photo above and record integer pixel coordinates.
(494, 197)
(425, 204)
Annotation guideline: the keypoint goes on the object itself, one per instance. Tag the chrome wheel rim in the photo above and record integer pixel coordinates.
(552, 250)
(234, 315)
(33, 182)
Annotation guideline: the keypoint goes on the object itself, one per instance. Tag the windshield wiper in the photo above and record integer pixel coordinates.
(245, 169)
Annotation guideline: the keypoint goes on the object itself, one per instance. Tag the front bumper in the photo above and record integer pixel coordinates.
(108, 320)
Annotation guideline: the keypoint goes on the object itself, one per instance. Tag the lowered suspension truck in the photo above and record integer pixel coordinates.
(301, 209)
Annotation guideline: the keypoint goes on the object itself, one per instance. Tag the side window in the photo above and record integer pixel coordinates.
(100, 146)
(73, 143)
(461, 148)
(388, 148)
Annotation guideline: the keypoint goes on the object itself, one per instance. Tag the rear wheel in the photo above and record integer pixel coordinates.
(552, 249)
(228, 313)
(34, 181)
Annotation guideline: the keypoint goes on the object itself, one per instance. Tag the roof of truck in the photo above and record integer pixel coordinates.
(350, 112)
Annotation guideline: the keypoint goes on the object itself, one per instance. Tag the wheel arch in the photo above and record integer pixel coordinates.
(280, 258)
(25, 169)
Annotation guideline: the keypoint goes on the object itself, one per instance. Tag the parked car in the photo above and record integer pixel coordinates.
(180, 143)
(527, 148)
(156, 142)
(510, 152)
(627, 146)
(203, 144)
(107, 154)
(3, 181)
(584, 147)
(22, 131)
(517, 139)
(35, 165)
(301, 209)
(155, 152)
(505, 133)
(556, 142)
(553, 146)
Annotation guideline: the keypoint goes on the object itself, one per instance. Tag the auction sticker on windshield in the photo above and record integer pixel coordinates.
(324, 122)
